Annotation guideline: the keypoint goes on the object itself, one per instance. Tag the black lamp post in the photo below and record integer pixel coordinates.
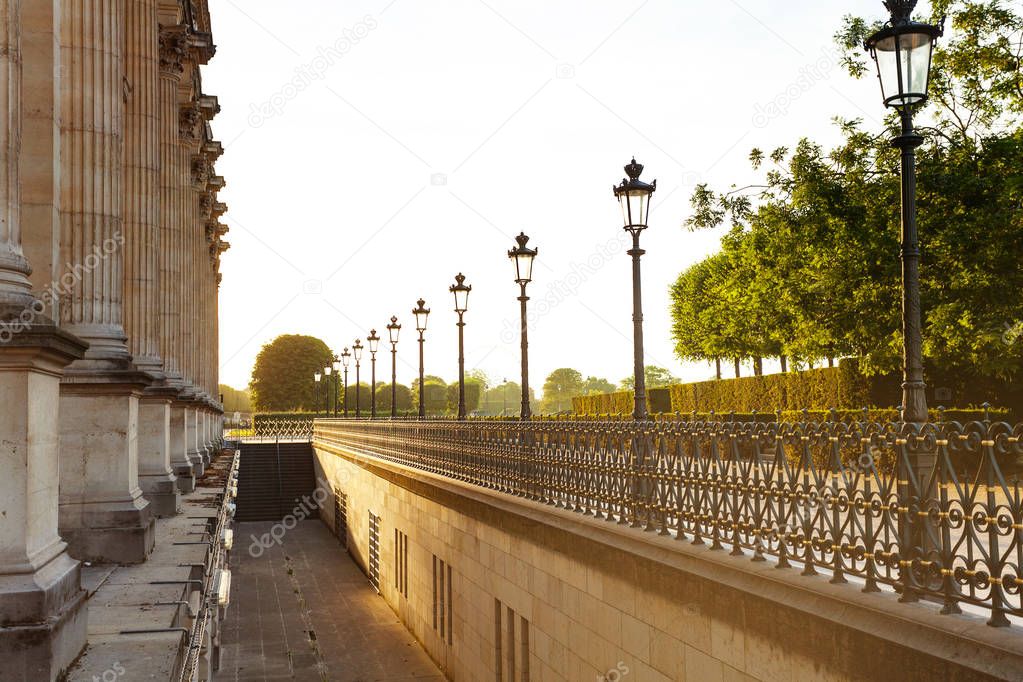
(317, 376)
(422, 313)
(337, 377)
(345, 357)
(357, 353)
(374, 344)
(461, 291)
(902, 51)
(522, 256)
(393, 330)
(634, 196)
(327, 371)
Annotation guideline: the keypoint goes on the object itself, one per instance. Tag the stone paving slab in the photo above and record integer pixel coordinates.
(304, 611)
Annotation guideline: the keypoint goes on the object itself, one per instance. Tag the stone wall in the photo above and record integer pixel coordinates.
(545, 594)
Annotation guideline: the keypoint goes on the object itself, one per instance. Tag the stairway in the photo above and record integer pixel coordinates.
(272, 480)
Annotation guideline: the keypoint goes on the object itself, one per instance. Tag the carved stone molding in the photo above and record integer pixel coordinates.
(173, 49)
(189, 120)
(201, 170)
(206, 203)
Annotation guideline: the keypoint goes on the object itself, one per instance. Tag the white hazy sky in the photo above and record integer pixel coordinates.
(376, 148)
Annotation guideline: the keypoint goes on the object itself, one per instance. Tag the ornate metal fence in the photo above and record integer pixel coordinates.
(886, 503)
(273, 430)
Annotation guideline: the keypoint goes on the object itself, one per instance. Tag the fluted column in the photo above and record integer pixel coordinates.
(190, 119)
(141, 183)
(92, 136)
(15, 290)
(173, 49)
(142, 246)
(103, 513)
(41, 600)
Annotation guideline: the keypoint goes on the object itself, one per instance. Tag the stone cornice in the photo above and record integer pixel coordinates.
(210, 106)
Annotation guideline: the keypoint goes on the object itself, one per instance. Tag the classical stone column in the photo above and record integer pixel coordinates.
(103, 514)
(41, 601)
(142, 247)
(15, 290)
(173, 50)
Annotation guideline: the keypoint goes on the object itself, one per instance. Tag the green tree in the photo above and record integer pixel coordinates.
(431, 399)
(282, 379)
(597, 386)
(402, 394)
(480, 377)
(365, 398)
(506, 400)
(473, 393)
(810, 269)
(558, 390)
(656, 377)
(235, 400)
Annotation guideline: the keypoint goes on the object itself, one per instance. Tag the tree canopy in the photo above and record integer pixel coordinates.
(655, 377)
(558, 390)
(810, 268)
(282, 379)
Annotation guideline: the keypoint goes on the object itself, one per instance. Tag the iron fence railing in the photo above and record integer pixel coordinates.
(273, 430)
(882, 503)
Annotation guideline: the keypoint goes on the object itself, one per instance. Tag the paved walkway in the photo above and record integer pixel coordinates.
(304, 611)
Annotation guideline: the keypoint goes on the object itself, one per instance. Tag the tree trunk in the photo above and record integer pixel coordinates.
(784, 363)
(717, 368)
(758, 367)
(737, 365)
(831, 362)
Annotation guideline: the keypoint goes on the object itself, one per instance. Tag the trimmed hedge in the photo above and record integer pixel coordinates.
(658, 400)
(842, 388)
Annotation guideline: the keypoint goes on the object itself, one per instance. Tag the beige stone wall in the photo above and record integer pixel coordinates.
(590, 600)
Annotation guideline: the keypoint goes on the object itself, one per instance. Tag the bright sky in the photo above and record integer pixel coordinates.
(376, 148)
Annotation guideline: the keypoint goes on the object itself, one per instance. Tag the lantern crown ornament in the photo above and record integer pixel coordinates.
(902, 10)
(461, 291)
(422, 313)
(634, 196)
(902, 52)
(522, 257)
(374, 341)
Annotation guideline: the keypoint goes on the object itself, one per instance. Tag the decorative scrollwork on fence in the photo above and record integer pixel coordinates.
(924, 510)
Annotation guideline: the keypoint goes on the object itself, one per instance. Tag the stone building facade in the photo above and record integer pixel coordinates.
(110, 247)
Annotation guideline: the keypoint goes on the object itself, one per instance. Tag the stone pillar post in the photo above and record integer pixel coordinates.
(41, 600)
(103, 513)
(173, 49)
(142, 247)
(15, 290)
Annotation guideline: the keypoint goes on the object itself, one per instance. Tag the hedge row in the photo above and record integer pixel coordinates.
(623, 402)
(842, 388)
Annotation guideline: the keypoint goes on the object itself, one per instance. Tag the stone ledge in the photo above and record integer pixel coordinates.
(962, 643)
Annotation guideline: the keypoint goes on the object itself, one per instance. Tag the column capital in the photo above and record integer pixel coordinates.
(173, 49)
(190, 122)
(202, 169)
